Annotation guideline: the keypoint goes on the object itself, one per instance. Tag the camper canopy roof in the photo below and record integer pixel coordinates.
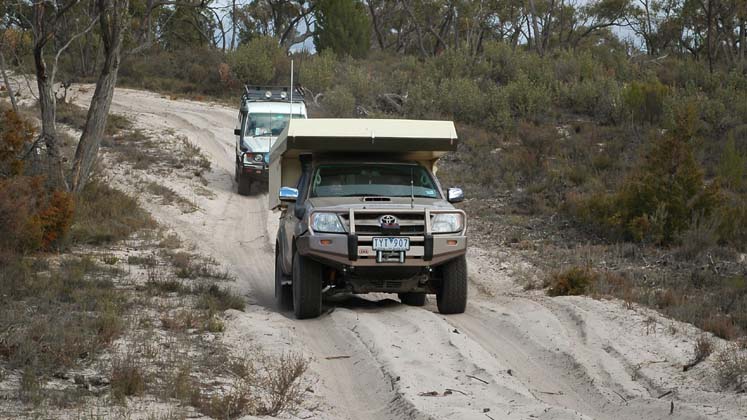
(325, 135)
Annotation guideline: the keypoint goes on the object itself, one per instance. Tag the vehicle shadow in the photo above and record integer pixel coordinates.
(370, 303)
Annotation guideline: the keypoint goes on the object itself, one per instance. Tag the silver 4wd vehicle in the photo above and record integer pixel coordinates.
(263, 114)
(362, 211)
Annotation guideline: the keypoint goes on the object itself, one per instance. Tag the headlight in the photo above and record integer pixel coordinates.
(326, 222)
(254, 158)
(447, 223)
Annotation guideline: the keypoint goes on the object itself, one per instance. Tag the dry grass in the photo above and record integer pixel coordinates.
(105, 215)
(75, 117)
(573, 281)
(77, 312)
(217, 299)
(731, 367)
(703, 348)
(127, 377)
(266, 386)
(191, 266)
(169, 196)
(194, 320)
(170, 241)
(195, 157)
(136, 148)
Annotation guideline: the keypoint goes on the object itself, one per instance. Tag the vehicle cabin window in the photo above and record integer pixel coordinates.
(390, 180)
(266, 124)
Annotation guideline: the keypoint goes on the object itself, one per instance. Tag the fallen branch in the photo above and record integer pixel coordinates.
(454, 390)
(665, 394)
(478, 379)
(621, 397)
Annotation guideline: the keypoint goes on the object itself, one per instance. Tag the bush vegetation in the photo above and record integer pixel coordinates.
(711, 302)
(640, 149)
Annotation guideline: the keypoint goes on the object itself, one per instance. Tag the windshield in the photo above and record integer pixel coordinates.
(267, 124)
(372, 180)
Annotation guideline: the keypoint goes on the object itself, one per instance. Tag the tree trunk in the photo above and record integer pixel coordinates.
(48, 107)
(113, 22)
(741, 44)
(233, 25)
(535, 28)
(8, 87)
(375, 24)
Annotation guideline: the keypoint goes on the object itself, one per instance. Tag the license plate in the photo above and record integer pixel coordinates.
(391, 244)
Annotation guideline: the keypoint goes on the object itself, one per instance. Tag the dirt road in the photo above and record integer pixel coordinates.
(513, 354)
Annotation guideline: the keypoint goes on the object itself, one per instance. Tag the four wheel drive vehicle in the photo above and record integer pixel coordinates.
(263, 114)
(362, 211)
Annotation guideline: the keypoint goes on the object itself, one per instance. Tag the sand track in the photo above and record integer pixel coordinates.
(514, 355)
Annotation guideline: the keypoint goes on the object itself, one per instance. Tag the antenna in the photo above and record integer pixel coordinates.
(291, 93)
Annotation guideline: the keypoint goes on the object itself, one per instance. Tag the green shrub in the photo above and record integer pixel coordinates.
(318, 72)
(732, 217)
(498, 110)
(660, 198)
(422, 100)
(597, 98)
(462, 99)
(528, 99)
(665, 192)
(342, 26)
(644, 101)
(733, 166)
(501, 61)
(254, 62)
(339, 102)
(453, 64)
(355, 77)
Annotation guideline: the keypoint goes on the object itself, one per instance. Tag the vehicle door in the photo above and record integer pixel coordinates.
(288, 224)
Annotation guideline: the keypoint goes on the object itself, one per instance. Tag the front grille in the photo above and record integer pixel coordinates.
(368, 224)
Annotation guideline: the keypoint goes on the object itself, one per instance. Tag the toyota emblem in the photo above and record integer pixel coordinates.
(388, 220)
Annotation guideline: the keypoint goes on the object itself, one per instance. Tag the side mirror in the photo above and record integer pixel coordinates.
(455, 195)
(288, 195)
(236, 131)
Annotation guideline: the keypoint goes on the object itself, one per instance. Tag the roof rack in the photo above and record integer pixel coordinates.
(255, 93)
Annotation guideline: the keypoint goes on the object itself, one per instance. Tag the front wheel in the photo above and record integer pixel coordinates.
(307, 287)
(451, 296)
(283, 292)
(245, 185)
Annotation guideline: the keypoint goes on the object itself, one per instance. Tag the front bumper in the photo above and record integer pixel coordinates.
(258, 171)
(341, 250)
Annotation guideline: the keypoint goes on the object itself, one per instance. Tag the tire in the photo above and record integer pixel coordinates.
(307, 287)
(451, 296)
(412, 299)
(236, 172)
(283, 292)
(245, 185)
